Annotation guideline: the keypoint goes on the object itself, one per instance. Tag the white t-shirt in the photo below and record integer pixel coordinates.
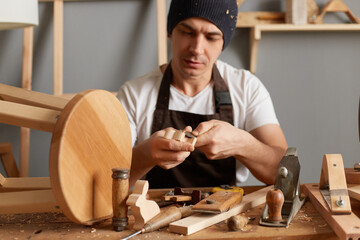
(252, 105)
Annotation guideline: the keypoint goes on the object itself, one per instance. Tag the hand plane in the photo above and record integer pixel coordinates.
(287, 180)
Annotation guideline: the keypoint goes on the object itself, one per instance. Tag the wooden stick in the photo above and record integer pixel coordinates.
(28, 116)
(346, 226)
(28, 202)
(200, 221)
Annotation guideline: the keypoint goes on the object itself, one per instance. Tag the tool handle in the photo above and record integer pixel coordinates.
(275, 201)
(165, 217)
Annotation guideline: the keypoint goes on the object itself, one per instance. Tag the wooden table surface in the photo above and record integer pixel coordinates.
(307, 224)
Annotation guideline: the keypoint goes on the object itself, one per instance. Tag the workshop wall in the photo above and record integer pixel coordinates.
(313, 77)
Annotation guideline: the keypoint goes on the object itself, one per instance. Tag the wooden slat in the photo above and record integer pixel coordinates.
(58, 46)
(31, 98)
(162, 33)
(200, 221)
(25, 184)
(346, 226)
(2, 180)
(28, 116)
(354, 191)
(28, 202)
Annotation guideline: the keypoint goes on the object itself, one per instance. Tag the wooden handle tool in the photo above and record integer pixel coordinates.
(275, 201)
(163, 219)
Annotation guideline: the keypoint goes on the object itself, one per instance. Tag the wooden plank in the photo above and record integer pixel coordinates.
(9, 164)
(28, 202)
(91, 137)
(32, 98)
(250, 19)
(25, 184)
(200, 221)
(218, 202)
(28, 116)
(346, 226)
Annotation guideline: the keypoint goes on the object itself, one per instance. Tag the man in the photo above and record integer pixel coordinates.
(229, 110)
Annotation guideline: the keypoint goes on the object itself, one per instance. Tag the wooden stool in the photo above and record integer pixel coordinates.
(90, 136)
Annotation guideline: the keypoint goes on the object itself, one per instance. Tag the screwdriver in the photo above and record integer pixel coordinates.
(163, 219)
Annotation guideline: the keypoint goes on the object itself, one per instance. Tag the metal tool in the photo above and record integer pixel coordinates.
(287, 180)
(163, 219)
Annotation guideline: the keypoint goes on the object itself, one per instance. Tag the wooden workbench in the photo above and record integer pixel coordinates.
(307, 224)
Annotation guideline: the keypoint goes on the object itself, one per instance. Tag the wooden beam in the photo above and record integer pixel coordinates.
(25, 184)
(32, 98)
(28, 202)
(346, 226)
(199, 221)
(28, 116)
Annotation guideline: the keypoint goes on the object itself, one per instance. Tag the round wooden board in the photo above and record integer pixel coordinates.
(91, 136)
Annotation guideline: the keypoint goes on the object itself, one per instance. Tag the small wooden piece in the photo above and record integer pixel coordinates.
(25, 184)
(333, 178)
(179, 135)
(142, 209)
(218, 202)
(238, 222)
(336, 6)
(275, 201)
(199, 221)
(346, 226)
(2, 180)
(120, 192)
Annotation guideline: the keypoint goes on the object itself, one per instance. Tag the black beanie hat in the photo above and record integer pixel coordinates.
(222, 13)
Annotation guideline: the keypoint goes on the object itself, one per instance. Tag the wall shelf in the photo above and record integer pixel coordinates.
(256, 30)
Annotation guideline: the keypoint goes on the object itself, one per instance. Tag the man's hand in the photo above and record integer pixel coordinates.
(218, 139)
(168, 153)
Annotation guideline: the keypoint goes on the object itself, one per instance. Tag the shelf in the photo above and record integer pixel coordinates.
(256, 30)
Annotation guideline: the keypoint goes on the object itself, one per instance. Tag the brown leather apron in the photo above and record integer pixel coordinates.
(196, 170)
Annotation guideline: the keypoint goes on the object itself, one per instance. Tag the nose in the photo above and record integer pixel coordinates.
(197, 45)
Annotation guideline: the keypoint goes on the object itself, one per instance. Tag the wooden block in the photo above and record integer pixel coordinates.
(179, 135)
(346, 226)
(250, 19)
(142, 209)
(199, 221)
(218, 202)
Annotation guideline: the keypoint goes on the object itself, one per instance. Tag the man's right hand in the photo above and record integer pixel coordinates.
(168, 153)
(157, 150)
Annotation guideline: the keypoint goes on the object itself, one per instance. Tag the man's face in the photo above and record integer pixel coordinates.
(196, 44)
